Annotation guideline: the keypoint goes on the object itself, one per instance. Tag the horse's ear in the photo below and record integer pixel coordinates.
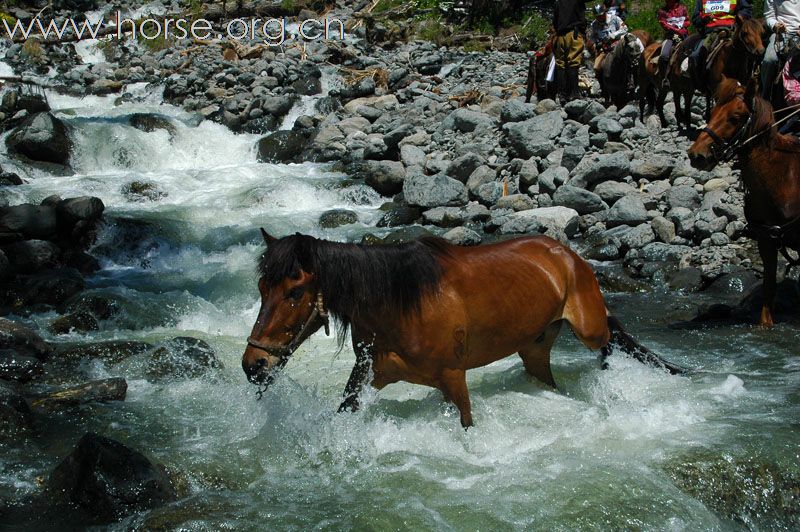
(267, 238)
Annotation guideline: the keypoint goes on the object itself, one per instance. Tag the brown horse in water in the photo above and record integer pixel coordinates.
(742, 123)
(736, 58)
(425, 312)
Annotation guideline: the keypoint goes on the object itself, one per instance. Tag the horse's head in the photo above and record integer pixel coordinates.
(292, 308)
(729, 123)
(632, 47)
(748, 32)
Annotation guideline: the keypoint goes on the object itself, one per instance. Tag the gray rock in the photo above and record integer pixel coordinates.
(412, 156)
(683, 196)
(629, 210)
(592, 110)
(575, 108)
(661, 252)
(462, 236)
(278, 105)
(482, 175)
(516, 202)
(552, 178)
(466, 121)
(528, 174)
(149, 122)
(583, 201)
(541, 219)
(596, 168)
(686, 280)
(610, 127)
(462, 167)
(638, 237)
(534, 137)
(664, 229)
(444, 216)
(399, 214)
(434, 191)
(386, 177)
(488, 193)
(516, 111)
(612, 191)
(652, 168)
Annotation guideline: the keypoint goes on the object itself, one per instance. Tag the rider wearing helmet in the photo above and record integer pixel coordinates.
(783, 16)
(607, 28)
(617, 7)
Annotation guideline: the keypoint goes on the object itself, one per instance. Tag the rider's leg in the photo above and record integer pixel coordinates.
(561, 51)
(573, 64)
(663, 59)
(769, 69)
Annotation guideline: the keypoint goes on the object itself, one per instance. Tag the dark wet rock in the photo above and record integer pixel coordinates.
(142, 191)
(755, 492)
(637, 237)
(112, 351)
(100, 391)
(32, 103)
(84, 208)
(52, 287)
(17, 367)
(686, 280)
(732, 285)
(32, 256)
(281, 146)
(108, 479)
(181, 357)
(41, 137)
(434, 191)
(98, 305)
(6, 271)
(614, 278)
(400, 236)
(9, 179)
(337, 217)
(30, 221)
(386, 177)
(581, 200)
(80, 321)
(149, 122)
(400, 214)
(14, 411)
(17, 337)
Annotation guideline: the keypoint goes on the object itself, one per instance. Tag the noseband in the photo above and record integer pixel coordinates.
(725, 150)
(283, 352)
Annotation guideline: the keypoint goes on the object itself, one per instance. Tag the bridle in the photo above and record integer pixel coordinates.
(284, 351)
(725, 150)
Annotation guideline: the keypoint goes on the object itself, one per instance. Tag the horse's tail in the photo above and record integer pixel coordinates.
(628, 345)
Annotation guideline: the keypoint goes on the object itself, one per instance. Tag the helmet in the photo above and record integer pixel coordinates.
(599, 9)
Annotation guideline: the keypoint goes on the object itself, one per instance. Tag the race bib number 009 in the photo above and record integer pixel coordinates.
(717, 6)
(676, 22)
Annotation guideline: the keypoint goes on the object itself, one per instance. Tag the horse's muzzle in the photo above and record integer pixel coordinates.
(702, 161)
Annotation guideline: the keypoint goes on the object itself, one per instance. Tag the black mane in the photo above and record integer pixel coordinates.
(357, 279)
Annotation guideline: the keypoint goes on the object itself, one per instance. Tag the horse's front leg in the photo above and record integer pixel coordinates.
(454, 386)
(769, 258)
(531, 83)
(358, 377)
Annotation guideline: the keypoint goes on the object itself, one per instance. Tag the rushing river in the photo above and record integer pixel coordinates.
(628, 448)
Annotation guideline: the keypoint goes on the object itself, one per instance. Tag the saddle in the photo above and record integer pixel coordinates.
(720, 39)
(682, 51)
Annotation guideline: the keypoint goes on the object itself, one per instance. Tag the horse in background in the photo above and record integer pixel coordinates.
(735, 56)
(427, 311)
(618, 72)
(653, 85)
(742, 123)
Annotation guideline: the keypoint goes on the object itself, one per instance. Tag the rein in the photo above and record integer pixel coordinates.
(284, 352)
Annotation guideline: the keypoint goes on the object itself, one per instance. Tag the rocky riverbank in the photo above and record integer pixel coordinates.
(442, 134)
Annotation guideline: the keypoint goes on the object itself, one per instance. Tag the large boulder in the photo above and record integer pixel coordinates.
(108, 480)
(41, 137)
(182, 357)
(595, 168)
(466, 121)
(21, 339)
(434, 191)
(629, 210)
(516, 111)
(386, 177)
(462, 167)
(86, 208)
(30, 221)
(581, 200)
(281, 146)
(535, 136)
(31, 256)
(540, 220)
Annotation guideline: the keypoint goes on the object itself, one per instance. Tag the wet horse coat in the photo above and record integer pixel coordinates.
(427, 311)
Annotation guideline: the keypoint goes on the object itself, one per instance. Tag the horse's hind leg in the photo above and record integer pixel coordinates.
(536, 356)
(531, 83)
(453, 383)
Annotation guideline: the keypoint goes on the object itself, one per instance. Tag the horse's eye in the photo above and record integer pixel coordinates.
(295, 293)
